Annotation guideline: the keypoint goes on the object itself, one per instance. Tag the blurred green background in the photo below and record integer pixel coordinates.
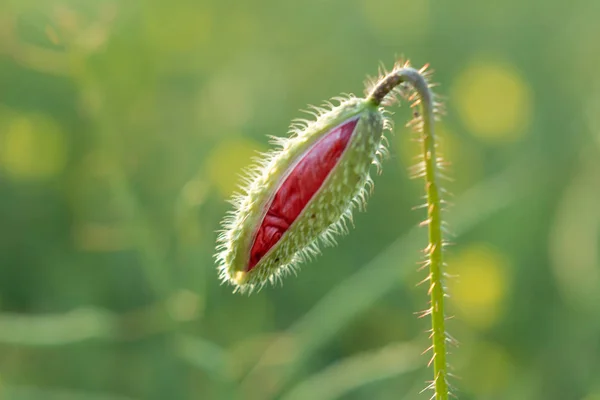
(124, 124)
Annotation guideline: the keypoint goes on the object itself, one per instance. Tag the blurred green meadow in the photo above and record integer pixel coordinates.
(124, 126)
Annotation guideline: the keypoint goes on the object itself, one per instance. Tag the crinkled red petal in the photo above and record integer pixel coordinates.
(298, 188)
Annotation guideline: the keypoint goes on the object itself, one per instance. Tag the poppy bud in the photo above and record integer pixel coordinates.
(301, 193)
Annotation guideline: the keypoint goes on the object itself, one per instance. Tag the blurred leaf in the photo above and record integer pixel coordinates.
(12, 392)
(204, 355)
(353, 372)
(56, 329)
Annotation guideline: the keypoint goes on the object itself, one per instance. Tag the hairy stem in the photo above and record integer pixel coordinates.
(429, 170)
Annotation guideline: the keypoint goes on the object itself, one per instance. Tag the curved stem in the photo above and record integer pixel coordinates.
(434, 250)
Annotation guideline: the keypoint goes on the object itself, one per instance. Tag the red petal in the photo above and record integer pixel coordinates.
(298, 188)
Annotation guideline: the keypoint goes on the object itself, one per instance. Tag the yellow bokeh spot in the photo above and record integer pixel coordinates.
(184, 305)
(32, 147)
(227, 161)
(477, 293)
(489, 370)
(494, 101)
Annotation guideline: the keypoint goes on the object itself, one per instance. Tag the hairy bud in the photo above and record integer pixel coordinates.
(301, 193)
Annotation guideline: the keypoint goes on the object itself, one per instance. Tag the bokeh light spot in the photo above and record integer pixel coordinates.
(227, 161)
(489, 369)
(32, 147)
(494, 101)
(478, 292)
(184, 305)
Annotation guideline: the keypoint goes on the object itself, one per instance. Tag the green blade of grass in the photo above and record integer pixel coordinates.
(353, 372)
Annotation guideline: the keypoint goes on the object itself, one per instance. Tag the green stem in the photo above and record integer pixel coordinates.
(434, 250)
